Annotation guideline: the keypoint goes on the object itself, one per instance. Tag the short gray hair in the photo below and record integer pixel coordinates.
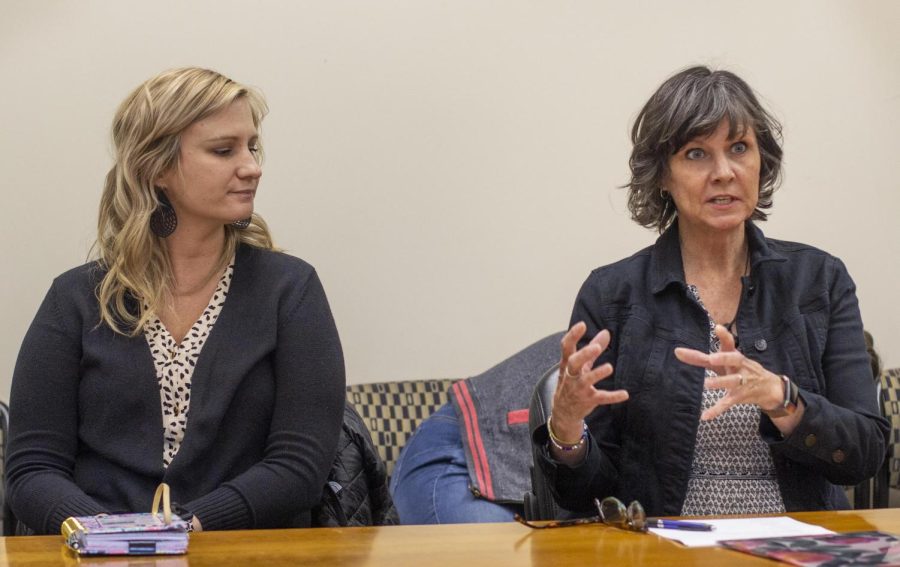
(688, 105)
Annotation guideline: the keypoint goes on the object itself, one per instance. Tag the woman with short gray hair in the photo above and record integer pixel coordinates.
(717, 371)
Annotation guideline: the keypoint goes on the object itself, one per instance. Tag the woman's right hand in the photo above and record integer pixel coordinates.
(575, 395)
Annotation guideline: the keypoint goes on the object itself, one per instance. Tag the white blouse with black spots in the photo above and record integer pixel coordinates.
(175, 363)
(732, 471)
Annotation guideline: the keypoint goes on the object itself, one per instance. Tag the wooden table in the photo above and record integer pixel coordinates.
(467, 545)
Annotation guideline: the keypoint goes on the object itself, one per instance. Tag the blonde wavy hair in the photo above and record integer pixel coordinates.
(146, 135)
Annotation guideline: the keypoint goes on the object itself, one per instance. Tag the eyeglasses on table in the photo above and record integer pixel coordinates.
(610, 511)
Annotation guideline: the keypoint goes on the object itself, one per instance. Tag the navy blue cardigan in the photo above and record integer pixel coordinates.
(267, 398)
(798, 315)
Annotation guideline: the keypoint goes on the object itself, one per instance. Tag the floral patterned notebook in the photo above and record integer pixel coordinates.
(125, 534)
(857, 548)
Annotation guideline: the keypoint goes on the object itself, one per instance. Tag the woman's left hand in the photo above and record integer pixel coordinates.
(745, 381)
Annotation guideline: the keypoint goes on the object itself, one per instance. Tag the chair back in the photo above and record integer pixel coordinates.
(874, 492)
(8, 526)
(539, 503)
(393, 410)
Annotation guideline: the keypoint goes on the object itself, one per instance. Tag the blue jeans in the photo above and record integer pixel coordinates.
(430, 484)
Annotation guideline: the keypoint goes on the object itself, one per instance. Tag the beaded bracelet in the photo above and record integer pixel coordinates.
(563, 446)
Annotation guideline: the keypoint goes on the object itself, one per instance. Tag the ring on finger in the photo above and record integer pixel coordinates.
(569, 374)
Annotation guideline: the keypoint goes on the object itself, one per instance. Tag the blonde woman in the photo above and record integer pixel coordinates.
(190, 352)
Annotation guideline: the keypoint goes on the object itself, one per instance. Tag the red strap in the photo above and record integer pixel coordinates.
(470, 415)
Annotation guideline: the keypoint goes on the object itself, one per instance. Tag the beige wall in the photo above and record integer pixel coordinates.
(451, 167)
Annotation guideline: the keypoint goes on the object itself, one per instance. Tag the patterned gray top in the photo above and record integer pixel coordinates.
(174, 365)
(732, 471)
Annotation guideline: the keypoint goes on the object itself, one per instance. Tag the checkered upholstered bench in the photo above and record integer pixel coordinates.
(393, 410)
(890, 391)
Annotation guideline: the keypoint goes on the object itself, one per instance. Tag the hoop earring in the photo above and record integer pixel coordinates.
(242, 224)
(667, 202)
(163, 220)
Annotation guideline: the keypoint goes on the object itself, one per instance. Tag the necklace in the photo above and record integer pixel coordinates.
(730, 325)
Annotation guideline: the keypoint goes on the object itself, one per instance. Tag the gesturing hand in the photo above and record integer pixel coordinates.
(745, 381)
(575, 395)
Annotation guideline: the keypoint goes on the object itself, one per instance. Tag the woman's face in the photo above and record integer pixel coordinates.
(714, 181)
(215, 181)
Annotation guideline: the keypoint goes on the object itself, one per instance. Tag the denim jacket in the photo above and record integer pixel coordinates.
(798, 316)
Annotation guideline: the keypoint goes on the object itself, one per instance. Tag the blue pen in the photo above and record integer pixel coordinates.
(679, 525)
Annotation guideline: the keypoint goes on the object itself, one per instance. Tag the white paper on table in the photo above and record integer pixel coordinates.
(741, 528)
